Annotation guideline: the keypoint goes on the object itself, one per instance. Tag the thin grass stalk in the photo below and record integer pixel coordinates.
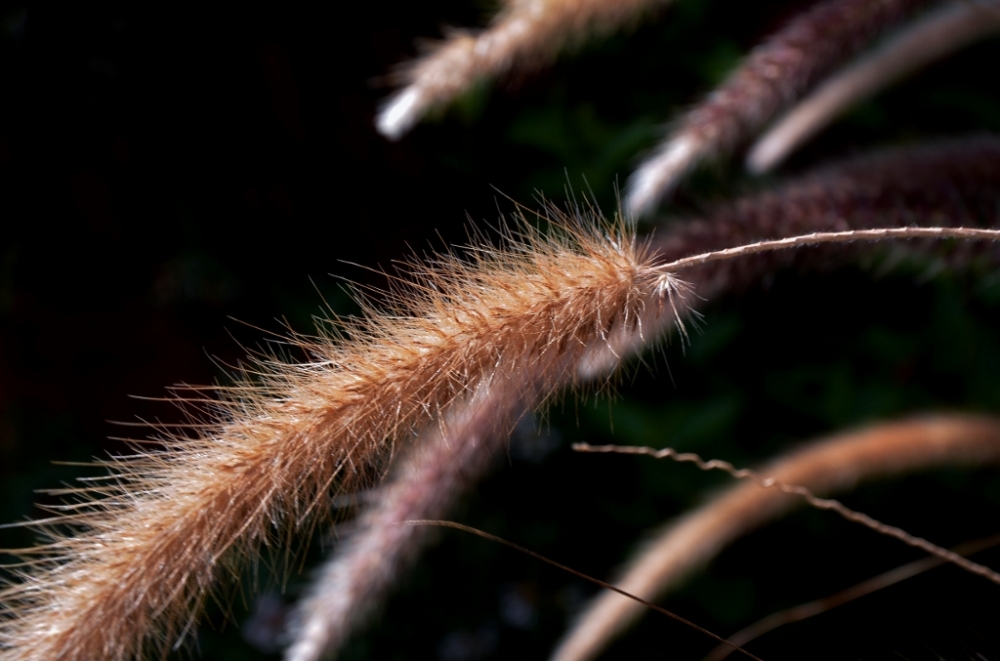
(430, 484)
(131, 562)
(835, 464)
(953, 182)
(807, 495)
(818, 606)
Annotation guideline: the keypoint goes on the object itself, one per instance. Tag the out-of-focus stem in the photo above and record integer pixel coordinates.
(930, 38)
(453, 455)
(805, 611)
(525, 35)
(773, 76)
(835, 464)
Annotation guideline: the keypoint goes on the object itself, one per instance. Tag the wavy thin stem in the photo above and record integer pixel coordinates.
(578, 574)
(832, 505)
(818, 606)
(817, 238)
(837, 463)
(954, 183)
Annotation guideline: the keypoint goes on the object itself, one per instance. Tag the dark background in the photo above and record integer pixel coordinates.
(174, 179)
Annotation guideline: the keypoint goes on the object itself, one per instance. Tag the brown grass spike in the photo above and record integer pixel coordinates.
(525, 35)
(930, 38)
(128, 567)
(773, 76)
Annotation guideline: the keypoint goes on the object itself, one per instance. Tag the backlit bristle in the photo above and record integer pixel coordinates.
(129, 568)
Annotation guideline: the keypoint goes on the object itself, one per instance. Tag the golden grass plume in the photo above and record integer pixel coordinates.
(129, 563)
